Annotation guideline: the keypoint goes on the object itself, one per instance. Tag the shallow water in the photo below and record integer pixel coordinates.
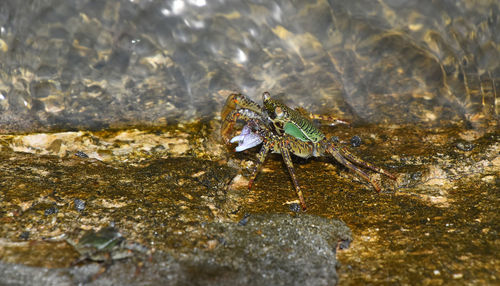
(68, 65)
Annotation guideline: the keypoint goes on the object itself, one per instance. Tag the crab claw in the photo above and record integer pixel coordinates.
(246, 139)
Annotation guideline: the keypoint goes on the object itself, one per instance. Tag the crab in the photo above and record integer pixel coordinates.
(287, 131)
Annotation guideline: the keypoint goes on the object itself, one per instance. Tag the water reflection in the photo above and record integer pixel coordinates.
(377, 61)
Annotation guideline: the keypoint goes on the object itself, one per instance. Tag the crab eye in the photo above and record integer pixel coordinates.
(278, 111)
(266, 96)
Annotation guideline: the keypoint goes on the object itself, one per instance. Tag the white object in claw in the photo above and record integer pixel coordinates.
(246, 139)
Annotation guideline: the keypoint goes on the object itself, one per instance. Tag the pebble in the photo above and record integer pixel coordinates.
(294, 207)
(244, 220)
(465, 146)
(51, 210)
(356, 141)
(24, 235)
(81, 154)
(79, 205)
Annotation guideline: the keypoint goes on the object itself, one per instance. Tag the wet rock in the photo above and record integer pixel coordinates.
(106, 244)
(442, 208)
(302, 247)
(275, 249)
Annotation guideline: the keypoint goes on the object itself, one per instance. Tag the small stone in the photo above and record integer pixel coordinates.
(51, 210)
(471, 135)
(24, 235)
(356, 141)
(416, 176)
(294, 207)
(458, 275)
(244, 220)
(239, 182)
(79, 205)
(344, 244)
(211, 244)
(81, 154)
(488, 179)
(464, 146)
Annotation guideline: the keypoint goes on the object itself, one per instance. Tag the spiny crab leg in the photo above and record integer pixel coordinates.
(332, 120)
(348, 159)
(271, 143)
(312, 116)
(261, 157)
(358, 161)
(288, 162)
(281, 145)
(232, 117)
(252, 135)
(235, 100)
(336, 154)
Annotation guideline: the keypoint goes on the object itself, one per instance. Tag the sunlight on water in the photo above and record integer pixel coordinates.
(95, 64)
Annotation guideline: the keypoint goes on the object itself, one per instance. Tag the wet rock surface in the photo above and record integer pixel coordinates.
(276, 249)
(436, 224)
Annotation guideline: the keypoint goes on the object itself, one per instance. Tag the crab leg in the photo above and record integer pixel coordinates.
(279, 146)
(312, 116)
(283, 144)
(333, 121)
(338, 156)
(356, 160)
(232, 117)
(261, 157)
(237, 99)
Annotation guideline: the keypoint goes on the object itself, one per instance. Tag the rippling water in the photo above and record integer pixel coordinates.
(68, 64)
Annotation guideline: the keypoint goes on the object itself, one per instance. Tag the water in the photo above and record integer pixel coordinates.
(98, 64)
